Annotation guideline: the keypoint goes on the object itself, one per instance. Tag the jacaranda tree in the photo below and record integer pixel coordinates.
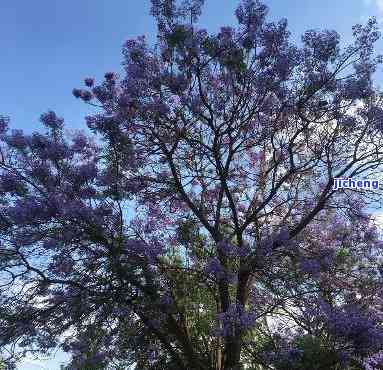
(196, 227)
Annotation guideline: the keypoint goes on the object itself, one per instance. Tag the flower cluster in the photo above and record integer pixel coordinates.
(235, 318)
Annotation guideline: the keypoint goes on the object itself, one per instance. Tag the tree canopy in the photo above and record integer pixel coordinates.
(195, 226)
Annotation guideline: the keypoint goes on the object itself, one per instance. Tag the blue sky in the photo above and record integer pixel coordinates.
(48, 47)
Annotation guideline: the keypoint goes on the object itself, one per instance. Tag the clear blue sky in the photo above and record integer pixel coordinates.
(48, 47)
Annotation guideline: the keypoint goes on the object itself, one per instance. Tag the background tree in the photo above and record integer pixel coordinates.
(200, 230)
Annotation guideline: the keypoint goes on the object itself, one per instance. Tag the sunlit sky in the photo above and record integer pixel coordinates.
(48, 47)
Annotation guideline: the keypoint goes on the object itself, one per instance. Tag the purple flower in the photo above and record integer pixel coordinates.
(214, 268)
(77, 93)
(282, 237)
(17, 139)
(361, 329)
(50, 244)
(87, 192)
(40, 171)
(9, 183)
(236, 317)
(373, 361)
(177, 83)
(102, 93)
(356, 88)
(89, 82)
(46, 148)
(323, 44)
(86, 95)
(62, 266)
(327, 257)
(251, 14)
(86, 172)
(79, 143)
(91, 122)
(310, 266)
(347, 121)
(226, 36)
(149, 250)
(28, 210)
(121, 311)
(4, 122)
(129, 44)
(50, 119)
(227, 248)
(110, 76)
